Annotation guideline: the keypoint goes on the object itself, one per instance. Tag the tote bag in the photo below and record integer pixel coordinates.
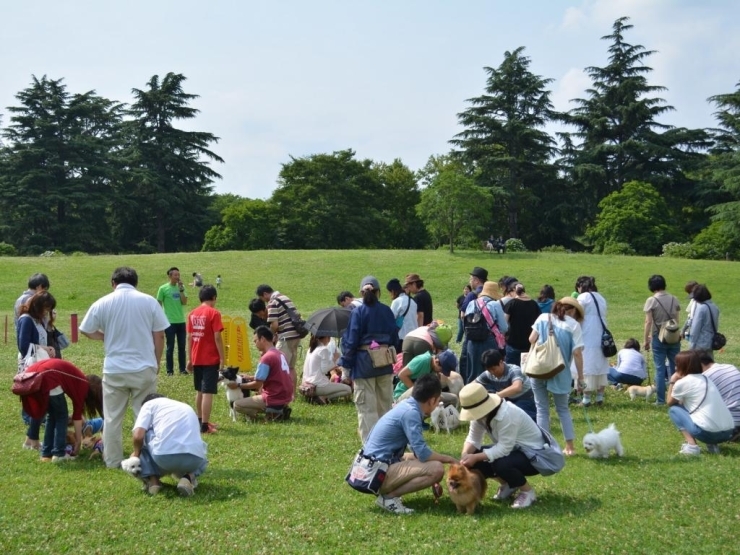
(545, 359)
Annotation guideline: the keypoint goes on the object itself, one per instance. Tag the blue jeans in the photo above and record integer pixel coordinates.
(682, 419)
(55, 434)
(615, 377)
(33, 426)
(542, 402)
(513, 356)
(161, 465)
(175, 331)
(661, 351)
(475, 350)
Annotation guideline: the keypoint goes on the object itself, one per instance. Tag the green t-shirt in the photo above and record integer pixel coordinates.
(169, 296)
(419, 365)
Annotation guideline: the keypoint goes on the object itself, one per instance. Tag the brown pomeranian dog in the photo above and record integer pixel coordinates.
(466, 487)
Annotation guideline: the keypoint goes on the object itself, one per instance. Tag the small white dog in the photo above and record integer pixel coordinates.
(132, 465)
(639, 391)
(445, 418)
(598, 446)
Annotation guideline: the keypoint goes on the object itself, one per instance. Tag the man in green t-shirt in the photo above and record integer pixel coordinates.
(171, 297)
(442, 363)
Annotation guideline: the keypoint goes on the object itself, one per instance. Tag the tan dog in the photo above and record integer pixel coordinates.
(639, 391)
(95, 444)
(466, 487)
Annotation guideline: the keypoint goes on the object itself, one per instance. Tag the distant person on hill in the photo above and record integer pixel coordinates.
(197, 280)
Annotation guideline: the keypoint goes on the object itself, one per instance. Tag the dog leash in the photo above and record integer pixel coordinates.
(588, 421)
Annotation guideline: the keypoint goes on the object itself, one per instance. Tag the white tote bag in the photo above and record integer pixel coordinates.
(35, 354)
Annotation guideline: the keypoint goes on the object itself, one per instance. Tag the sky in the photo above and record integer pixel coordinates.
(289, 78)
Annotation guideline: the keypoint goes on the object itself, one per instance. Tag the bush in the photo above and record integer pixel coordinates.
(679, 250)
(6, 249)
(616, 247)
(554, 248)
(515, 245)
(79, 253)
(713, 243)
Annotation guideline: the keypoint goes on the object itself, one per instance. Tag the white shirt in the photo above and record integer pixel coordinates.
(398, 307)
(711, 414)
(632, 363)
(727, 379)
(127, 318)
(510, 427)
(171, 428)
(317, 364)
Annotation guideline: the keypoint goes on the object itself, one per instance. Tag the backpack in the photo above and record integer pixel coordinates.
(295, 319)
(476, 327)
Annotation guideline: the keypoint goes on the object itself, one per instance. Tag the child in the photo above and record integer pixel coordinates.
(631, 367)
(218, 281)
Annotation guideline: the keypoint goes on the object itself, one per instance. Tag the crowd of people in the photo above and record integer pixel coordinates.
(393, 360)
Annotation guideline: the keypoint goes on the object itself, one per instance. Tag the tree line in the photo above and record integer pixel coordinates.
(617, 180)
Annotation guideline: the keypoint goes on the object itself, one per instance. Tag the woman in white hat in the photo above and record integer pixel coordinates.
(566, 315)
(509, 427)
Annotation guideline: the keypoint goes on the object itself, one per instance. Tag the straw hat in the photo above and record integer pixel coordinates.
(490, 289)
(476, 402)
(412, 278)
(570, 301)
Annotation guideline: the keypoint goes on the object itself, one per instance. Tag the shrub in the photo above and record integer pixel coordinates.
(616, 247)
(515, 245)
(79, 253)
(713, 243)
(6, 249)
(554, 248)
(679, 250)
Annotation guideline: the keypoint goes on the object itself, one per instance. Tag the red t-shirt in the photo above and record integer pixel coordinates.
(202, 324)
(278, 386)
(57, 373)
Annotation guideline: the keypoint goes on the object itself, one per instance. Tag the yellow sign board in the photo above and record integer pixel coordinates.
(236, 343)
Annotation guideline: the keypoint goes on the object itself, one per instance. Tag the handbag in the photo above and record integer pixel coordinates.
(381, 356)
(545, 359)
(26, 383)
(401, 317)
(718, 339)
(547, 461)
(669, 331)
(367, 474)
(60, 339)
(34, 354)
(608, 346)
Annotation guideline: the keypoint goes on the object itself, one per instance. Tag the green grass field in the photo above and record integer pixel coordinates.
(278, 488)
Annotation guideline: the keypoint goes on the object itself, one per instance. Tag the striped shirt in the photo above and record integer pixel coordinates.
(727, 379)
(277, 312)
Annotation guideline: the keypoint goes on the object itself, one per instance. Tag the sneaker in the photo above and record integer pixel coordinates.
(713, 448)
(659, 403)
(183, 373)
(185, 487)
(45, 459)
(32, 446)
(170, 373)
(65, 458)
(688, 449)
(286, 413)
(393, 505)
(524, 499)
(504, 492)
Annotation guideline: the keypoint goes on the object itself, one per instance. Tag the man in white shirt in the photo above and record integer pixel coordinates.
(131, 326)
(727, 379)
(167, 440)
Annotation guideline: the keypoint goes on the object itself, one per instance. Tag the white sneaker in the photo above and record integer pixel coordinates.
(393, 505)
(504, 492)
(65, 458)
(524, 499)
(185, 487)
(688, 449)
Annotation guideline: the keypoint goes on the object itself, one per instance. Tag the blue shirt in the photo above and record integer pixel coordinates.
(496, 311)
(367, 323)
(470, 297)
(397, 428)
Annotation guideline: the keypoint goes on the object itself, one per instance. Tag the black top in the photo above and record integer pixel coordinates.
(424, 304)
(522, 314)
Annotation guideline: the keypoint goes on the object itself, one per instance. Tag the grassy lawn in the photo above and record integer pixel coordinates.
(279, 487)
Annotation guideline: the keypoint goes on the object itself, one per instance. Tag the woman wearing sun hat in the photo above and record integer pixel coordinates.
(509, 427)
(566, 315)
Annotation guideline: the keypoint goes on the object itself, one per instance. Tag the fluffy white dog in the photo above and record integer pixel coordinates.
(598, 446)
(132, 465)
(638, 391)
(445, 418)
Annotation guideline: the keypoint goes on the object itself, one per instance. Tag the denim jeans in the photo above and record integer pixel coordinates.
(542, 402)
(682, 419)
(475, 350)
(55, 434)
(661, 351)
(616, 377)
(175, 331)
(513, 356)
(34, 426)
(161, 465)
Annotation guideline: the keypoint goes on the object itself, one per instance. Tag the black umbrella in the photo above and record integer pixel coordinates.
(329, 322)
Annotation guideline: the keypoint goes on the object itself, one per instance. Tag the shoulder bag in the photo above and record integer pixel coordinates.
(547, 461)
(608, 346)
(718, 340)
(298, 323)
(545, 359)
(669, 331)
(367, 474)
(400, 319)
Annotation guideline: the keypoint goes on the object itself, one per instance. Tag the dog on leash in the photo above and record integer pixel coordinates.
(445, 418)
(94, 443)
(231, 375)
(132, 465)
(599, 446)
(638, 391)
(466, 487)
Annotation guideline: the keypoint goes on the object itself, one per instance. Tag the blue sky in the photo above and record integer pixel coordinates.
(384, 78)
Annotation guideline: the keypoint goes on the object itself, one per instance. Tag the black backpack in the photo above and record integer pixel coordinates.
(476, 327)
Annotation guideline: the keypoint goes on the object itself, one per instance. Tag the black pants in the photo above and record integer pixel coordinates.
(512, 469)
(175, 331)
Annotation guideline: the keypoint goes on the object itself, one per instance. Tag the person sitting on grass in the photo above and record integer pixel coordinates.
(631, 368)
(507, 381)
(166, 438)
(696, 406)
(402, 426)
(319, 362)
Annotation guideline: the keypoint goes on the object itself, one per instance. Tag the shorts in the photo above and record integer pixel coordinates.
(205, 378)
(401, 472)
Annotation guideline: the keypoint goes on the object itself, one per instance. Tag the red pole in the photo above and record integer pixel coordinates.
(6, 329)
(73, 325)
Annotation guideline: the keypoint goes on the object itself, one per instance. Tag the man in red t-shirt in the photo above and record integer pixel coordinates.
(273, 377)
(206, 350)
